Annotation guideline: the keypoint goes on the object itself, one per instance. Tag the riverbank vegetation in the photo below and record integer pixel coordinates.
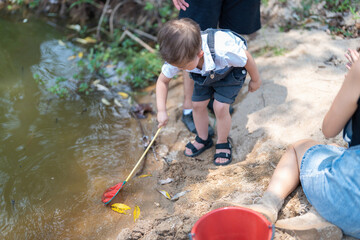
(124, 31)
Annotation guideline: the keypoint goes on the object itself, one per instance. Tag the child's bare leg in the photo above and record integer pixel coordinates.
(286, 176)
(223, 122)
(201, 120)
(188, 90)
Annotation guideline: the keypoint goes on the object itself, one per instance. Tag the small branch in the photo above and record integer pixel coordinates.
(149, 36)
(152, 147)
(63, 7)
(138, 40)
(101, 19)
(111, 20)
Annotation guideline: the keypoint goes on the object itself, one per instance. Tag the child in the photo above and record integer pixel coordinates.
(329, 174)
(218, 62)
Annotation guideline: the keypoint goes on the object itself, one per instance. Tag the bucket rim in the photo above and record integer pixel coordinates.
(259, 215)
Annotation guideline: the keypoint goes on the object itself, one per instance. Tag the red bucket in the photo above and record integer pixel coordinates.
(232, 223)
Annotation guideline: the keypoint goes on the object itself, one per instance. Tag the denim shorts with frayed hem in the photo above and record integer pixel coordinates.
(330, 179)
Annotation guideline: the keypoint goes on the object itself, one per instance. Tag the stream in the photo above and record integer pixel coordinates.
(57, 156)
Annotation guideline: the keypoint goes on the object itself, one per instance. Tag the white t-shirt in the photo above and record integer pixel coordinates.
(229, 51)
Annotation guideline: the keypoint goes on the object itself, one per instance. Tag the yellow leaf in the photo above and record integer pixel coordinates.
(80, 54)
(123, 95)
(136, 212)
(165, 193)
(145, 175)
(120, 208)
(90, 40)
(85, 40)
(71, 58)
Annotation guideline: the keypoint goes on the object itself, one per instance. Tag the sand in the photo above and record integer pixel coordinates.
(298, 87)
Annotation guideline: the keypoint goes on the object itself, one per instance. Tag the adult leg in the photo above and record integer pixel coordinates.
(201, 120)
(204, 12)
(223, 121)
(187, 116)
(242, 16)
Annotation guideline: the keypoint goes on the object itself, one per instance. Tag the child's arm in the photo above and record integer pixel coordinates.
(162, 85)
(252, 69)
(344, 104)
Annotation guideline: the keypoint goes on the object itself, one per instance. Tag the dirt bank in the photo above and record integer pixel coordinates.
(299, 84)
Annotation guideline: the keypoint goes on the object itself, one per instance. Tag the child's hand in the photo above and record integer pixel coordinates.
(254, 85)
(352, 56)
(162, 118)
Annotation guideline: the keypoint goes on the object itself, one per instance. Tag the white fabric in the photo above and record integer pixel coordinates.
(229, 51)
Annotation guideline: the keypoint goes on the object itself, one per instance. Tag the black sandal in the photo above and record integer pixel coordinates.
(207, 144)
(222, 154)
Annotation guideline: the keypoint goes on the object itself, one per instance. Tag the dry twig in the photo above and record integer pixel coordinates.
(138, 40)
(101, 19)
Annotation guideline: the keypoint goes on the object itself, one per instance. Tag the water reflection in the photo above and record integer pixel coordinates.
(56, 157)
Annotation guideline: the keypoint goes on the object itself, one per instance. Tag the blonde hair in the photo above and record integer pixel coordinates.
(179, 40)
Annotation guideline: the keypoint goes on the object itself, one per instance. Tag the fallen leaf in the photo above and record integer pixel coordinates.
(178, 195)
(71, 58)
(145, 175)
(80, 40)
(96, 82)
(61, 43)
(165, 193)
(101, 88)
(74, 27)
(136, 212)
(168, 180)
(85, 40)
(80, 54)
(106, 102)
(123, 95)
(90, 40)
(117, 103)
(120, 208)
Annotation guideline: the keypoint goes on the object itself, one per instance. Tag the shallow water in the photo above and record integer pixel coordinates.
(56, 156)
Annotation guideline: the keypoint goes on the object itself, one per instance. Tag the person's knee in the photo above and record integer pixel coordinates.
(220, 108)
(300, 147)
(198, 106)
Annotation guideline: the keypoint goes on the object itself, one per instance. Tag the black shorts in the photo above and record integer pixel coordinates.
(241, 16)
(224, 90)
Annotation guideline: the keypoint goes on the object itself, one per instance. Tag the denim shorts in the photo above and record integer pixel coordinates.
(224, 90)
(330, 177)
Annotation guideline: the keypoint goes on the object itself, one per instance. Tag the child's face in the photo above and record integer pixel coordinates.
(192, 64)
